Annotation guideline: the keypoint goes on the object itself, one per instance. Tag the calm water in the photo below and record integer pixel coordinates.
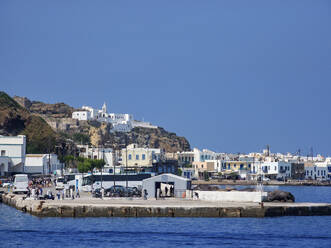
(22, 230)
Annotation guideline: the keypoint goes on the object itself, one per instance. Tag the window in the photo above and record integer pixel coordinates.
(3, 153)
(130, 156)
(143, 157)
(241, 166)
(137, 157)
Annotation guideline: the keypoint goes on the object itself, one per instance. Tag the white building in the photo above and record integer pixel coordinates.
(316, 171)
(42, 164)
(98, 153)
(12, 153)
(120, 122)
(195, 155)
(273, 170)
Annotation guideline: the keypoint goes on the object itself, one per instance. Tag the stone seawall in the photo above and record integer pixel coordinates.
(149, 209)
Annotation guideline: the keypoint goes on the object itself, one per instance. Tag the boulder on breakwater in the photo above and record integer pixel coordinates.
(280, 196)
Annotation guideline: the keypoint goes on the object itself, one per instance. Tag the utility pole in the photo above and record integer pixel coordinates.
(114, 163)
(103, 158)
(126, 160)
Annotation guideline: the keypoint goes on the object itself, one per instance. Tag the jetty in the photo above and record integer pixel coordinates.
(137, 207)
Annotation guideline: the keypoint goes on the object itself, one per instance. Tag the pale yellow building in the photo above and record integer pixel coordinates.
(134, 156)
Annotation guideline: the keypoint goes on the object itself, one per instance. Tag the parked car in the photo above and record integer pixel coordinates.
(133, 192)
(116, 191)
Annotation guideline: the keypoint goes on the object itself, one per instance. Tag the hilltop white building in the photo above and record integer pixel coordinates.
(120, 122)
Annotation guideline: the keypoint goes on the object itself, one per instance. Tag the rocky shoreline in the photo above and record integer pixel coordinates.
(171, 208)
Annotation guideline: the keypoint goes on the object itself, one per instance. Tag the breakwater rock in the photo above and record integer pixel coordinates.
(161, 208)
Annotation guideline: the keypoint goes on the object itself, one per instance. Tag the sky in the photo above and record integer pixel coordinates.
(229, 75)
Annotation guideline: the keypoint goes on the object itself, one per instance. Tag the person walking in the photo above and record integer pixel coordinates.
(77, 193)
(166, 191)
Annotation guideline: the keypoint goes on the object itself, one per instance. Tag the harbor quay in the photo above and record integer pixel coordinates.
(172, 207)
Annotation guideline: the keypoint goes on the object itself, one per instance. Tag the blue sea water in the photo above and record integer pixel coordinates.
(18, 229)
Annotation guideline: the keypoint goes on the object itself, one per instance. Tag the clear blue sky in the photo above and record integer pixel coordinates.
(230, 75)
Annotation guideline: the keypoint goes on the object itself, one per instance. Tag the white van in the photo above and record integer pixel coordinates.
(59, 183)
(21, 183)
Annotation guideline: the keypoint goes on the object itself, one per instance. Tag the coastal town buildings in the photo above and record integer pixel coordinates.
(14, 159)
(120, 122)
(12, 154)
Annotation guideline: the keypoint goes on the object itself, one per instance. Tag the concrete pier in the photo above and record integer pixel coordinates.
(161, 208)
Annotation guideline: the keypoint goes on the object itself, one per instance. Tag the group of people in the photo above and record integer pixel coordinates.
(36, 193)
(167, 191)
(69, 193)
(41, 182)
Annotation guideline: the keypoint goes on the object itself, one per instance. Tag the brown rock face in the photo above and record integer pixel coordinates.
(56, 110)
(153, 138)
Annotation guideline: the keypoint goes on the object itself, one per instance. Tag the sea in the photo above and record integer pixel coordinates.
(18, 229)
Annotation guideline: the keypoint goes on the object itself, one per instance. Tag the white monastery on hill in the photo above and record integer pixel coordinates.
(120, 122)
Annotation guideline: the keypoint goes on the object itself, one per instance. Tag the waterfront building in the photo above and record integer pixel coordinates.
(201, 168)
(42, 164)
(298, 170)
(272, 170)
(185, 158)
(316, 171)
(196, 155)
(134, 156)
(12, 154)
(240, 168)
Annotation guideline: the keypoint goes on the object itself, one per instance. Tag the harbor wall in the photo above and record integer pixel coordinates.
(41, 209)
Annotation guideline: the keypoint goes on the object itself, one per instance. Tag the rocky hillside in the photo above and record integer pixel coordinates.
(51, 125)
(15, 119)
(57, 110)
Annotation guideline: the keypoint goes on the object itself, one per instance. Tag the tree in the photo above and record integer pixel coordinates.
(81, 138)
(84, 167)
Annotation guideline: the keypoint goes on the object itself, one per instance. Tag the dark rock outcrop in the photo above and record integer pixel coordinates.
(56, 110)
(280, 196)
